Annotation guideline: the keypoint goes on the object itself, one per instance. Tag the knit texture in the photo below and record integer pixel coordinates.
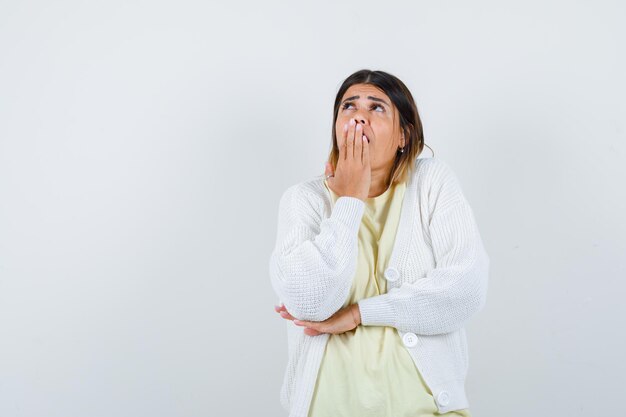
(437, 278)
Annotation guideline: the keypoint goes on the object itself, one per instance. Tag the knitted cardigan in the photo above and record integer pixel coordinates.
(437, 279)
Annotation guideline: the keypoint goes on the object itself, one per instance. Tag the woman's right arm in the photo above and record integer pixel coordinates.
(314, 260)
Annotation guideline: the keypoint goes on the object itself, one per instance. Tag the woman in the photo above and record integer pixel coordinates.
(378, 266)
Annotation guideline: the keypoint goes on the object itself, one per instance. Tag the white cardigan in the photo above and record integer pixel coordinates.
(437, 279)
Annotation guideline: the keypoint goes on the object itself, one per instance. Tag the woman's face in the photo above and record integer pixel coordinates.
(381, 122)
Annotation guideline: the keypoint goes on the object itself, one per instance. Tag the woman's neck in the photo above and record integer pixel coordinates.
(379, 184)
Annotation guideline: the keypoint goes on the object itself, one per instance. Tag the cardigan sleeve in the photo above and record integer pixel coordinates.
(449, 294)
(314, 259)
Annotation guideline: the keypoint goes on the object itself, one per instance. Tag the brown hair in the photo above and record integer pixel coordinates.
(410, 122)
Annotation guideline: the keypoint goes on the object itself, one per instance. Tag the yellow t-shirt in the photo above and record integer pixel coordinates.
(368, 372)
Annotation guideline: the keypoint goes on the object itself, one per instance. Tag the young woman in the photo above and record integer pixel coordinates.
(378, 266)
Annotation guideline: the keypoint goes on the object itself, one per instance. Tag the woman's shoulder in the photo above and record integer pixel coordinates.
(308, 191)
(436, 179)
(434, 169)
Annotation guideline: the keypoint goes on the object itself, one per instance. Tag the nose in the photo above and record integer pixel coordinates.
(360, 119)
(361, 116)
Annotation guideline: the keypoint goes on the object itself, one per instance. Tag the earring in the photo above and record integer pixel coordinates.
(402, 148)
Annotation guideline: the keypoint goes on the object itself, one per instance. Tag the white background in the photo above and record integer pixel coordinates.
(144, 147)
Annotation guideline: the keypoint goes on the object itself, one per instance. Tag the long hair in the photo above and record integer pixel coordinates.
(410, 122)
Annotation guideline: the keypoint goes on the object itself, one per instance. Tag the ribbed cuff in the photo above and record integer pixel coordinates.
(349, 211)
(377, 311)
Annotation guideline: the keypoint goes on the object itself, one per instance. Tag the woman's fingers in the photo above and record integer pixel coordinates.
(286, 315)
(328, 169)
(358, 143)
(354, 178)
(282, 310)
(311, 332)
(346, 143)
(341, 142)
(308, 327)
(366, 152)
(350, 144)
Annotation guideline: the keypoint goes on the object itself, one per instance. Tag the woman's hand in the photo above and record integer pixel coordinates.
(342, 321)
(353, 175)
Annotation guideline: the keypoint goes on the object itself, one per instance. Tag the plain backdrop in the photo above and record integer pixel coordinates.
(144, 146)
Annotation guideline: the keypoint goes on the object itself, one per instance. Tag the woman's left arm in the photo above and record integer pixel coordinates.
(449, 294)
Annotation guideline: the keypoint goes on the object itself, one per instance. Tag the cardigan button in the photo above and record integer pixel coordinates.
(391, 274)
(409, 339)
(443, 398)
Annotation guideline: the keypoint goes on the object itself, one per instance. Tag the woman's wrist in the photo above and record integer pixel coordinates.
(356, 313)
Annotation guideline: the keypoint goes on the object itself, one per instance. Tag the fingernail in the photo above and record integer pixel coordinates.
(345, 127)
(365, 139)
(352, 122)
(358, 127)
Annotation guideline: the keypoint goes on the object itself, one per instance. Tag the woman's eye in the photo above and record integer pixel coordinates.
(374, 106)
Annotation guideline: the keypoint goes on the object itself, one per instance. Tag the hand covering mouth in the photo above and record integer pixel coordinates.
(368, 135)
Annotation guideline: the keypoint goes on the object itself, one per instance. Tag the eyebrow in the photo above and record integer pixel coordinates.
(370, 97)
